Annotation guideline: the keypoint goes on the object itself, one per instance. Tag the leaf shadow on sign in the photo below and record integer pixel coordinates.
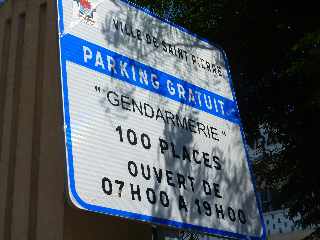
(125, 34)
(236, 189)
(234, 183)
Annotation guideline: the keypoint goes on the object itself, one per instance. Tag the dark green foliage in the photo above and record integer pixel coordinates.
(293, 171)
(273, 48)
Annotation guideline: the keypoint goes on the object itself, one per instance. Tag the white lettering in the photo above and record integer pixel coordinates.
(154, 81)
(199, 97)
(170, 87)
(99, 61)
(123, 69)
(87, 53)
(181, 91)
(221, 106)
(143, 77)
(111, 64)
(208, 102)
(191, 96)
(215, 104)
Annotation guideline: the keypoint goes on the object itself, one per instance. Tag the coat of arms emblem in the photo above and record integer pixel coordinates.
(85, 10)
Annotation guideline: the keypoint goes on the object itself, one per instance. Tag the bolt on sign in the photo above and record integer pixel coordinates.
(152, 128)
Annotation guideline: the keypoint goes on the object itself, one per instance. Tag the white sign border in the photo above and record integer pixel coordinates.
(67, 128)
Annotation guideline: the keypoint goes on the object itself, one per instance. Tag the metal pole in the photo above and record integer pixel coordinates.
(154, 233)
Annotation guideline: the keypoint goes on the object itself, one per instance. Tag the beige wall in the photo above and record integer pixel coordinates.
(33, 201)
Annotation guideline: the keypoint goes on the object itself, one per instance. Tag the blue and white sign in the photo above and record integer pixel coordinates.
(152, 128)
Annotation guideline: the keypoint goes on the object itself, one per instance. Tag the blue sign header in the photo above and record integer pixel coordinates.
(135, 73)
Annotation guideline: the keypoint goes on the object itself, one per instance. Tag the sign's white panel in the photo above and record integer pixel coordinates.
(151, 124)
